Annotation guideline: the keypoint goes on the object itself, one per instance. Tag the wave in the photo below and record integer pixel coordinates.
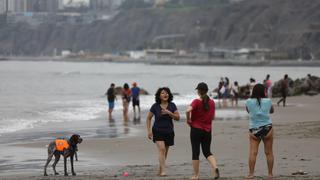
(85, 110)
(14, 125)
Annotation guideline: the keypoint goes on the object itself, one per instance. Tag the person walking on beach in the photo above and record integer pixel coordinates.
(126, 97)
(200, 115)
(259, 108)
(162, 132)
(135, 91)
(235, 93)
(111, 97)
(284, 88)
(268, 85)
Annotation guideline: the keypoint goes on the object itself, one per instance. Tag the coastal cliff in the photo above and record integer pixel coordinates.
(290, 26)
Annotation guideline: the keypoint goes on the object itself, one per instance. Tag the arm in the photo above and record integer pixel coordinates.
(247, 109)
(149, 131)
(188, 114)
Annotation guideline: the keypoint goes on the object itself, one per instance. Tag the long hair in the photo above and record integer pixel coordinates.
(157, 95)
(258, 93)
(205, 100)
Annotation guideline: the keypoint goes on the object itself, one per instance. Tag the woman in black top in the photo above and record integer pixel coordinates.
(162, 132)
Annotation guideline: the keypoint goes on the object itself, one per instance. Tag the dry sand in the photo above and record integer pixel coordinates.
(296, 147)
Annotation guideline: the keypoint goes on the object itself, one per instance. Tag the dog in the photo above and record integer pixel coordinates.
(66, 148)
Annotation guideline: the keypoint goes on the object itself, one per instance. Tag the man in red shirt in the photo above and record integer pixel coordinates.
(200, 115)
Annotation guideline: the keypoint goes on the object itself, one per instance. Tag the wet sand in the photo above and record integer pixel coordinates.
(296, 147)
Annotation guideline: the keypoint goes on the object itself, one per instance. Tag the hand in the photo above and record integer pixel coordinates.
(165, 111)
(189, 122)
(150, 135)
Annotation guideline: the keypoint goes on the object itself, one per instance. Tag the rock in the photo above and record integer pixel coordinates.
(308, 86)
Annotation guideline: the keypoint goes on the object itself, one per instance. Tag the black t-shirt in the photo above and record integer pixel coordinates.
(111, 94)
(163, 123)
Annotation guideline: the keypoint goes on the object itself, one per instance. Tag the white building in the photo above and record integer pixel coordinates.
(2, 6)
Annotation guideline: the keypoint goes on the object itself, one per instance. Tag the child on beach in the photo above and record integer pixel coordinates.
(259, 108)
(200, 115)
(162, 132)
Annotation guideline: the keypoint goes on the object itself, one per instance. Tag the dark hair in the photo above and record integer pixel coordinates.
(252, 80)
(258, 92)
(286, 76)
(268, 76)
(157, 95)
(112, 85)
(202, 90)
(236, 83)
(126, 86)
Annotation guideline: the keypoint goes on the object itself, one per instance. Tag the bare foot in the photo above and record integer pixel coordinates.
(249, 177)
(270, 176)
(162, 174)
(195, 177)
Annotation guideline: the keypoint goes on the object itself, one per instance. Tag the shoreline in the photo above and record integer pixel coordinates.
(188, 62)
(296, 148)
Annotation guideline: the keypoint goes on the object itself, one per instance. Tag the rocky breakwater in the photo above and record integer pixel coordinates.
(309, 85)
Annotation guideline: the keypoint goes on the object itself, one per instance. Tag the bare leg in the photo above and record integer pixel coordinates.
(162, 157)
(268, 143)
(254, 146)
(167, 150)
(195, 165)
(214, 166)
(110, 113)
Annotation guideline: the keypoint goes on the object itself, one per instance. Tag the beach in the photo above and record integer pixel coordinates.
(296, 147)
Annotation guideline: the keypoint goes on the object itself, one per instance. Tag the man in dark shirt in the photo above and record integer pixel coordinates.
(111, 97)
(135, 92)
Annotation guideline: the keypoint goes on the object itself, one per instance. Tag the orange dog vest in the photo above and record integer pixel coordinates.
(61, 144)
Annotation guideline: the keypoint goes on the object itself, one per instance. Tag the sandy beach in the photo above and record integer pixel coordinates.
(296, 147)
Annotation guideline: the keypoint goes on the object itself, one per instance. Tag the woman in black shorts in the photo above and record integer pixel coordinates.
(162, 132)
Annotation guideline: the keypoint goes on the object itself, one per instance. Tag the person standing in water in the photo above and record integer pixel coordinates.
(268, 86)
(259, 108)
(200, 115)
(111, 98)
(135, 91)
(235, 94)
(126, 97)
(164, 112)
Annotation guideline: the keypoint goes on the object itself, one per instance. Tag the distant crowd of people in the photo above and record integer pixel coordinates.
(226, 91)
(127, 95)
